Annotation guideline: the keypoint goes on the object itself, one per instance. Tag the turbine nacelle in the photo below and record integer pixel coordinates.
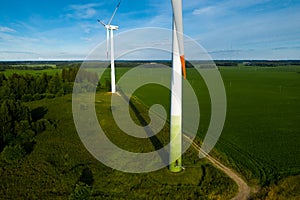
(108, 26)
(112, 27)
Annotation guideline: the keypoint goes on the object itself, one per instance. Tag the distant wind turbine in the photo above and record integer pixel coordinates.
(178, 70)
(110, 36)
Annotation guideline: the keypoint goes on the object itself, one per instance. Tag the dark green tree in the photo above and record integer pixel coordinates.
(2, 78)
(55, 84)
(41, 84)
(12, 112)
(5, 91)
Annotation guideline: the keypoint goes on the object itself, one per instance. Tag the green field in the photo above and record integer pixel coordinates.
(262, 129)
(34, 65)
(261, 134)
(9, 72)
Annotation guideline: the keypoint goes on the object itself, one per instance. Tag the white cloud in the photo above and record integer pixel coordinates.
(83, 6)
(227, 7)
(13, 39)
(207, 11)
(83, 11)
(7, 30)
(86, 39)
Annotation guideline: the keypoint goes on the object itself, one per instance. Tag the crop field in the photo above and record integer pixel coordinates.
(260, 138)
(262, 129)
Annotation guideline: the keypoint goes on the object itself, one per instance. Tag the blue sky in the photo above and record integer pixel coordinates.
(227, 29)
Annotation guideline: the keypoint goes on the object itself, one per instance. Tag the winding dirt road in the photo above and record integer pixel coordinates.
(244, 189)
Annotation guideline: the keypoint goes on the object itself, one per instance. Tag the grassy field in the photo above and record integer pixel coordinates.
(34, 65)
(9, 72)
(30, 68)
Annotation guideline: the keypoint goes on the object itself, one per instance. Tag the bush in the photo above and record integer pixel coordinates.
(81, 192)
(50, 96)
(13, 153)
(27, 97)
(37, 96)
(26, 136)
(23, 132)
(68, 88)
(40, 125)
(60, 93)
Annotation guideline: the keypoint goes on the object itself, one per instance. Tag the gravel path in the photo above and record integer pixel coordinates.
(244, 189)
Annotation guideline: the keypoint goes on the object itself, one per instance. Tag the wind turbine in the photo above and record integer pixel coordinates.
(178, 70)
(110, 36)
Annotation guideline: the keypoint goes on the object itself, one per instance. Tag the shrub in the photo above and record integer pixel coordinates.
(40, 125)
(50, 96)
(37, 96)
(27, 97)
(60, 93)
(24, 137)
(81, 192)
(13, 153)
(68, 88)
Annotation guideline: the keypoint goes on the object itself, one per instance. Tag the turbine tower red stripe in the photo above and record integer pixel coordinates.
(182, 59)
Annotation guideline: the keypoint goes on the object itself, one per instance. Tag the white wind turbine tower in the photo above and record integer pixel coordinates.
(110, 36)
(178, 70)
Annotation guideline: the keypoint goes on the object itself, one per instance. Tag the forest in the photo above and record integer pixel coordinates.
(19, 124)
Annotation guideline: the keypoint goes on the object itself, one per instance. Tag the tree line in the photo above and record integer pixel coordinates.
(30, 87)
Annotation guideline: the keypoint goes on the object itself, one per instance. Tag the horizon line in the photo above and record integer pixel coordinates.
(148, 60)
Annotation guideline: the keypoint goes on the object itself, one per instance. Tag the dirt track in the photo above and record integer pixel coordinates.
(244, 189)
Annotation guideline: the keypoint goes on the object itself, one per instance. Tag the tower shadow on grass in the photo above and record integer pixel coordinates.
(157, 144)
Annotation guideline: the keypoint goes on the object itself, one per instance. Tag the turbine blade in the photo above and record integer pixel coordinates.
(114, 13)
(101, 22)
(107, 42)
(177, 17)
